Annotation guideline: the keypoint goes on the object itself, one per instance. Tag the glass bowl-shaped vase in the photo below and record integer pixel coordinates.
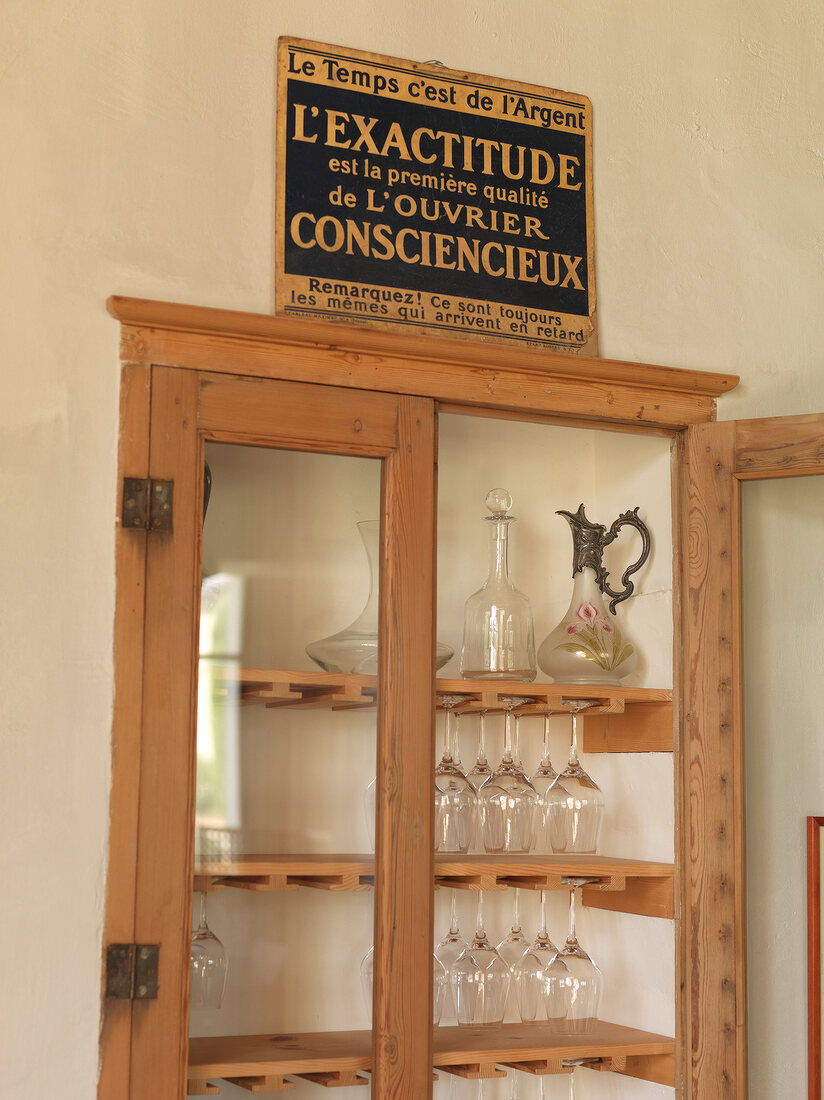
(355, 649)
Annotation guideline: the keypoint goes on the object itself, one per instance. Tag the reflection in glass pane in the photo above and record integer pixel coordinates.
(279, 772)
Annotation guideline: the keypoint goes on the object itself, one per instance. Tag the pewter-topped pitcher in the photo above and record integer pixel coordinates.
(589, 646)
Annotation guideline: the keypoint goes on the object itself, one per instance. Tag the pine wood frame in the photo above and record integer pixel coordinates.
(717, 459)
(814, 826)
(168, 350)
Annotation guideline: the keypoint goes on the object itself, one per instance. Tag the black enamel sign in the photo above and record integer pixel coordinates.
(414, 196)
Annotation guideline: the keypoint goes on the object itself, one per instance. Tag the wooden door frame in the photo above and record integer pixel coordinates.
(484, 379)
(712, 946)
(167, 415)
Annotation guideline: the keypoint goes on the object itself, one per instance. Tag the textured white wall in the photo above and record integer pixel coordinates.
(138, 151)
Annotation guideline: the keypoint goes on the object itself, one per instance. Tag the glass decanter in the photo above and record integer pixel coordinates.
(355, 649)
(499, 639)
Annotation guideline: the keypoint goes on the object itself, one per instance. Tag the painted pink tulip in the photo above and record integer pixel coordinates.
(605, 626)
(574, 628)
(588, 612)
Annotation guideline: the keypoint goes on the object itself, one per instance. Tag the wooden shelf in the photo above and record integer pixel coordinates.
(623, 719)
(338, 1058)
(626, 885)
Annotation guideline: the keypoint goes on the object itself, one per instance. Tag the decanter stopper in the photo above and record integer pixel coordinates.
(499, 641)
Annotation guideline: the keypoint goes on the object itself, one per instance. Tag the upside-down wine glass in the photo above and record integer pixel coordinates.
(448, 951)
(208, 965)
(508, 801)
(513, 945)
(456, 801)
(369, 807)
(439, 981)
(513, 1092)
(544, 779)
(480, 979)
(530, 973)
(573, 979)
(573, 1063)
(516, 737)
(574, 821)
(481, 771)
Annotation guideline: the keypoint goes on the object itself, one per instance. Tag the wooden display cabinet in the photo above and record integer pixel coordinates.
(192, 375)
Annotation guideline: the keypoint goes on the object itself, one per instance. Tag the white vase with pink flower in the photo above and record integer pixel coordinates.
(589, 646)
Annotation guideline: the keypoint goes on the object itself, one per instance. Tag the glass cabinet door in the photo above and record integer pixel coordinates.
(286, 748)
(284, 805)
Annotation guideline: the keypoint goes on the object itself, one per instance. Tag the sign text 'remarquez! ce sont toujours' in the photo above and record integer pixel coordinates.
(411, 195)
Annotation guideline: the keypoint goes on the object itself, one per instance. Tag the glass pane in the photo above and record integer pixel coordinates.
(546, 468)
(783, 541)
(280, 773)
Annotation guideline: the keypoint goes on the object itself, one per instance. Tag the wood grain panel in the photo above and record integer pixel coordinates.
(130, 567)
(225, 1055)
(714, 894)
(814, 825)
(165, 839)
(404, 827)
(360, 341)
(246, 410)
(784, 446)
(643, 728)
(680, 677)
(498, 387)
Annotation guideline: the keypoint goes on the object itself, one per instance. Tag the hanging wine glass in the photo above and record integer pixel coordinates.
(513, 945)
(480, 980)
(516, 737)
(513, 1092)
(481, 771)
(448, 951)
(530, 973)
(573, 979)
(439, 982)
(574, 820)
(208, 965)
(572, 1064)
(440, 985)
(369, 808)
(367, 968)
(508, 801)
(456, 800)
(549, 790)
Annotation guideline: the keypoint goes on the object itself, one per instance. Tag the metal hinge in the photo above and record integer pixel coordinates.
(131, 971)
(147, 504)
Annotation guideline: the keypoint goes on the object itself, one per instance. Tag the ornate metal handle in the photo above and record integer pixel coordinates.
(626, 519)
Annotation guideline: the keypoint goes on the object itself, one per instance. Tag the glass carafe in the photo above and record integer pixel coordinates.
(499, 640)
(355, 649)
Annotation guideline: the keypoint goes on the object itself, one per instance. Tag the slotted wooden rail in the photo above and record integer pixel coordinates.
(624, 885)
(263, 1062)
(619, 719)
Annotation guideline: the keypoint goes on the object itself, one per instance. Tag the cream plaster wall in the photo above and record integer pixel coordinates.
(138, 150)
